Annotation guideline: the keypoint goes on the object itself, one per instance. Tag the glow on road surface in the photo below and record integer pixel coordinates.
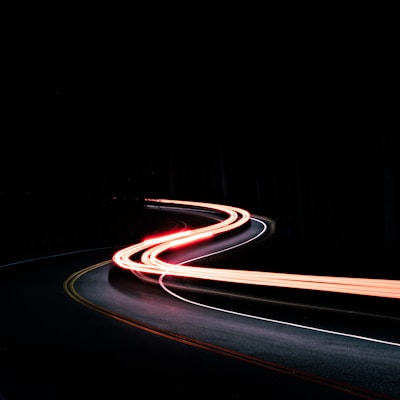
(150, 251)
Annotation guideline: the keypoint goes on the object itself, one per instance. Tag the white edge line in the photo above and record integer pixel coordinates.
(262, 318)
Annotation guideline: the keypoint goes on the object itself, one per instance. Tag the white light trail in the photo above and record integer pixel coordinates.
(151, 250)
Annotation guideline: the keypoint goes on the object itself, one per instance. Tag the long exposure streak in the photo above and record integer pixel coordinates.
(150, 250)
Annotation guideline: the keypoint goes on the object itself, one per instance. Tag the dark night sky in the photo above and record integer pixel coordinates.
(302, 123)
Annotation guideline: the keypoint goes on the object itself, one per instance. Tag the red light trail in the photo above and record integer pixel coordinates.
(150, 250)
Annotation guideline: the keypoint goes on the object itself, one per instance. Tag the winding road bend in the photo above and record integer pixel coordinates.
(168, 315)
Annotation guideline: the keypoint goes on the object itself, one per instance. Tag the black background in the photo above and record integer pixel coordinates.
(295, 124)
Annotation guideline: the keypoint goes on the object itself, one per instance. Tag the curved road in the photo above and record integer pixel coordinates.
(76, 325)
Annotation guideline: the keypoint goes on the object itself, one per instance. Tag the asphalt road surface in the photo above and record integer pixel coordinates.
(77, 326)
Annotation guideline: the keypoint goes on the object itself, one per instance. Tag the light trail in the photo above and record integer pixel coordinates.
(150, 251)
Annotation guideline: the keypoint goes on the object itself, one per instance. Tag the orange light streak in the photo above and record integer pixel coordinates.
(236, 217)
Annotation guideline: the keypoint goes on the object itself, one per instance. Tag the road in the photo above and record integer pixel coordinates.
(77, 325)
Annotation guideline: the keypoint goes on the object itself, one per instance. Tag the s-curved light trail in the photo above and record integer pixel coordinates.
(150, 262)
